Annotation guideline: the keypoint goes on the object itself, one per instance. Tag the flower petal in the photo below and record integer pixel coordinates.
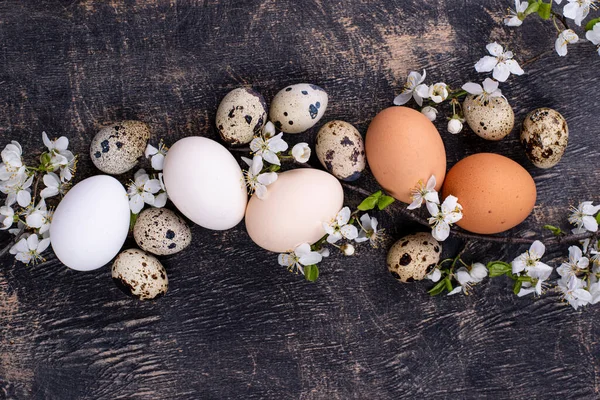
(486, 64)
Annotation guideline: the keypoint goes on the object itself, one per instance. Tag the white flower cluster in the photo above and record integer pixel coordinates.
(576, 10)
(33, 219)
(268, 148)
(442, 217)
(499, 62)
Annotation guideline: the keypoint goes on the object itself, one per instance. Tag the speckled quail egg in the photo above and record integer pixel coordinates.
(162, 232)
(413, 257)
(116, 148)
(341, 150)
(140, 275)
(241, 114)
(491, 120)
(298, 108)
(544, 135)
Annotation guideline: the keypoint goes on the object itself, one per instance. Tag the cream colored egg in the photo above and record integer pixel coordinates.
(162, 232)
(491, 120)
(116, 148)
(241, 114)
(205, 182)
(140, 275)
(545, 135)
(298, 108)
(413, 257)
(294, 210)
(341, 150)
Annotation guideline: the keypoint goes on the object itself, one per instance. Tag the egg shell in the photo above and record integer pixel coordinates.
(413, 257)
(241, 114)
(545, 135)
(91, 223)
(492, 120)
(294, 210)
(140, 275)
(298, 108)
(162, 232)
(403, 147)
(495, 192)
(205, 183)
(341, 150)
(116, 148)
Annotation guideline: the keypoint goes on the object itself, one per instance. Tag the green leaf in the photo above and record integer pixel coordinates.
(545, 10)
(45, 159)
(590, 25)
(448, 284)
(598, 220)
(274, 168)
(132, 220)
(311, 273)
(533, 7)
(556, 231)
(370, 202)
(517, 287)
(498, 268)
(384, 201)
(438, 288)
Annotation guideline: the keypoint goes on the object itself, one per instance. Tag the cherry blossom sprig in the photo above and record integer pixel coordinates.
(25, 213)
(347, 227)
(575, 10)
(499, 62)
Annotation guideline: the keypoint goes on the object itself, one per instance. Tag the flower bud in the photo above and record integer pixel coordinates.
(347, 249)
(455, 126)
(430, 113)
(301, 152)
(478, 272)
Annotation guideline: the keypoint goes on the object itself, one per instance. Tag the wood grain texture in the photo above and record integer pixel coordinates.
(234, 324)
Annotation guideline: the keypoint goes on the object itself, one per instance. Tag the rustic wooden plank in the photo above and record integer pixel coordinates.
(233, 323)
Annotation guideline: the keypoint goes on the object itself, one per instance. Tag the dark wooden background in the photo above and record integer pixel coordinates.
(234, 324)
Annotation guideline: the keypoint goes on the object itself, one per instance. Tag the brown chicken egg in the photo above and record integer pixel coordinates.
(403, 147)
(495, 192)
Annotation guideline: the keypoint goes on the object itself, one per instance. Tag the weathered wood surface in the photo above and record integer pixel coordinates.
(234, 324)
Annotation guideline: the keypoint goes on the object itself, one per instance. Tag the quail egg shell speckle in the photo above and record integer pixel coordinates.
(241, 114)
(162, 232)
(413, 257)
(341, 150)
(140, 275)
(491, 120)
(545, 136)
(298, 108)
(116, 148)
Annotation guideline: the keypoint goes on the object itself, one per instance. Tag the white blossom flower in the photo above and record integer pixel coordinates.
(577, 10)
(268, 147)
(483, 93)
(54, 186)
(39, 217)
(338, 227)
(576, 262)
(478, 272)
(455, 125)
(347, 249)
(301, 256)
(516, 16)
(593, 36)
(434, 275)
(574, 292)
(500, 62)
(369, 231)
(301, 152)
(564, 38)
(18, 189)
(7, 217)
(441, 218)
(414, 80)
(531, 287)
(583, 216)
(29, 250)
(424, 193)
(430, 113)
(60, 157)
(142, 190)
(156, 155)
(530, 262)
(268, 130)
(12, 161)
(465, 279)
(255, 179)
(438, 92)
